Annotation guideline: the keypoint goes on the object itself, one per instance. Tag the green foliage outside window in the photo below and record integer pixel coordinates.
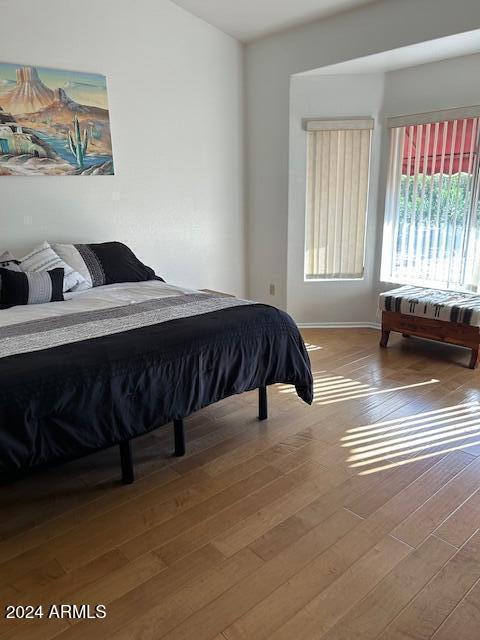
(438, 199)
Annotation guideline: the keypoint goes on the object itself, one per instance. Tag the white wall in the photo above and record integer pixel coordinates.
(269, 64)
(176, 106)
(336, 301)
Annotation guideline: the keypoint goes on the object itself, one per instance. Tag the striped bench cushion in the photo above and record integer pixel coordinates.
(449, 306)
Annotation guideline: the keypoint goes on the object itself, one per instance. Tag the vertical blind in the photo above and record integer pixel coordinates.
(338, 162)
(431, 231)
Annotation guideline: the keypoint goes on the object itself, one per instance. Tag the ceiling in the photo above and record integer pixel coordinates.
(460, 44)
(250, 19)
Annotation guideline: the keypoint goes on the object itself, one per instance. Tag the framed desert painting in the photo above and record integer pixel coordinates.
(53, 122)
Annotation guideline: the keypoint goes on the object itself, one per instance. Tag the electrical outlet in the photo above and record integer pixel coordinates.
(272, 289)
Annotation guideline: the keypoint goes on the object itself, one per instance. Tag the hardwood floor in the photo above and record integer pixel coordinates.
(355, 519)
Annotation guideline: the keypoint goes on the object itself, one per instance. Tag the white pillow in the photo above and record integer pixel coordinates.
(44, 258)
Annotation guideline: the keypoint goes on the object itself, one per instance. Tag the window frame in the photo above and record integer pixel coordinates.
(391, 212)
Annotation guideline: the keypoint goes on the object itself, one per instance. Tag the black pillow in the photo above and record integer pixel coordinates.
(119, 263)
(105, 263)
(30, 287)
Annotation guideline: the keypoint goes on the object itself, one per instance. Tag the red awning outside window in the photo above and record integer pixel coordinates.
(443, 147)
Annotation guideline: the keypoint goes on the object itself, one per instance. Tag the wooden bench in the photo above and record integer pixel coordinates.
(444, 316)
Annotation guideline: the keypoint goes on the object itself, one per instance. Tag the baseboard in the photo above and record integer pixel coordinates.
(339, 325)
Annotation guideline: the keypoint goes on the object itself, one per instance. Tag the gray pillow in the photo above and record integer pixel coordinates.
(8, 261)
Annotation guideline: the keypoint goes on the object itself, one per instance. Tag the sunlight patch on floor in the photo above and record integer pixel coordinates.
(397, 442)
(329, 389)
(312, 347)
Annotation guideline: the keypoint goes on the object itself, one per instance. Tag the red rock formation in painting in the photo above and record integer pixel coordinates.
(28, 95)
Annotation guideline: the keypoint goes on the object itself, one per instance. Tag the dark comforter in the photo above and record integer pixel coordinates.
(61, 402)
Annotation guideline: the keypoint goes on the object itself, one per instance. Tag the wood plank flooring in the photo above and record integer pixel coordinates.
(355, 519)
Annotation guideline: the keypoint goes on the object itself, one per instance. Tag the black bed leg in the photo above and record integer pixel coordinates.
(262, 403)
(126, 461)
(179, 434)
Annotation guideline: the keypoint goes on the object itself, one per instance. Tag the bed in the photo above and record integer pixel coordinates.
(115, 362)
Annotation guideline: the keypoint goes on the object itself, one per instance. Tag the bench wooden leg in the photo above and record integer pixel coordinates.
(126, 461)
(385, 337)
(474, 358)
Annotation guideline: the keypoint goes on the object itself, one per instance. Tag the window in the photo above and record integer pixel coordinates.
(338, 164)
(432, 226)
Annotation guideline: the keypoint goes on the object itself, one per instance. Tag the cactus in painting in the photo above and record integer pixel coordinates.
(78, 143)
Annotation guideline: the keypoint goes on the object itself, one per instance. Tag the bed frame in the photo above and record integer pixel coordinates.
(462, 335)
(126, 457)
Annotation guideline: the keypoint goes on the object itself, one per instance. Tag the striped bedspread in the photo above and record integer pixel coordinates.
(35, 335)
(449, 306)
